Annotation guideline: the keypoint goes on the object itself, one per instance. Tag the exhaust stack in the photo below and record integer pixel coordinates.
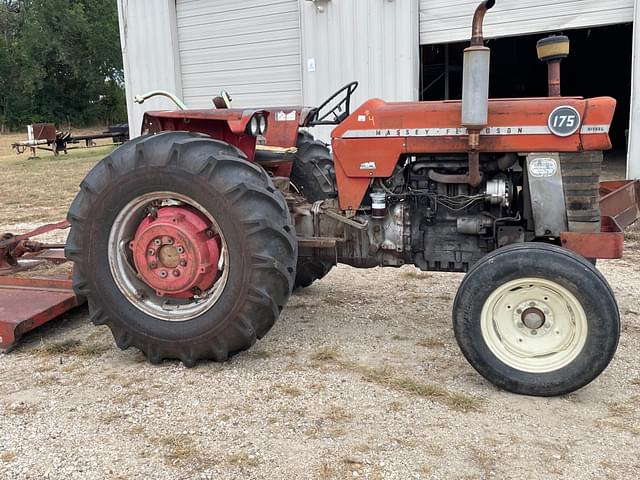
(475, 89)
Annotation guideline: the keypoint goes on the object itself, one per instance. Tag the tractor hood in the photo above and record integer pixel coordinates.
(562, 124)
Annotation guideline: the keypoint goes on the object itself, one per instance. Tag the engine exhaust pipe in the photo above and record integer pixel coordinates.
(475, 90)
(477, 36)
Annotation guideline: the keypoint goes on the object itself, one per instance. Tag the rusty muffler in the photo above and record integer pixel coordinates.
(475, 90)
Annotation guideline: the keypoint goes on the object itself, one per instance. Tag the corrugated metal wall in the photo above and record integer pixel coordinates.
(443, 21)
(372, 41)
(250, 48)
(149, 52)
(633, 158)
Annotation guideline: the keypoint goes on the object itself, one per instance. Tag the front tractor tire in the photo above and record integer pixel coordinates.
(183, 248)
(536, 319)
(313, 175)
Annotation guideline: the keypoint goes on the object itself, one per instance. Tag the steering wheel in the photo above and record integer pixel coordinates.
(339, 111)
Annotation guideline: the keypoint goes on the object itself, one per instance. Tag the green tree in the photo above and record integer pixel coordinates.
(17, 75)
(61, 62)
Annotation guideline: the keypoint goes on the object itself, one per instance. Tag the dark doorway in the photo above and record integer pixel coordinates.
(599, 65)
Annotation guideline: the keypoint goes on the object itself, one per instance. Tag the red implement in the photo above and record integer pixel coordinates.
(620, 207)
(27, 303)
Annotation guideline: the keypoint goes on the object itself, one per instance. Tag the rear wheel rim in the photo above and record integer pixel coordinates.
(534, 325)
(128, 282)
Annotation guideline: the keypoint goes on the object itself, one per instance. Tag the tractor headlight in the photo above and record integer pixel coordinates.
(253, 128)
(257, 125)
(262, 124)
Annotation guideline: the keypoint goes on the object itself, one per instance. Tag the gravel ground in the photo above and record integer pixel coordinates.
(360, 378)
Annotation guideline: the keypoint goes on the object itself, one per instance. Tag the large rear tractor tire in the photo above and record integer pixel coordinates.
(313, 175)
(182, 247)
(536, 319)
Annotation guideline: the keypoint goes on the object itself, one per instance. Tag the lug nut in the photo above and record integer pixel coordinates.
(169, 241)
(163, 274)
(151, 252)
(180, 249)
(183, 263)
(176, 273)
(153, 265)
(157, 241)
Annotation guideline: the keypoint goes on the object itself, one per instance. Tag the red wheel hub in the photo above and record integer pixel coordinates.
(176, 253)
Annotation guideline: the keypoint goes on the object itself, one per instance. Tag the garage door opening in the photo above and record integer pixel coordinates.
(599, 65)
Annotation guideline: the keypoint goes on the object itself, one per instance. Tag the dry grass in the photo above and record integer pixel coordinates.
(426, 470)
(111, 417)
(326, 472)
(431, 342)
(434, 449)
(137, 430)
(340, 471)
(43, 188)
(415, 275)
(632, 234)
(289, 390)
(8, 457)
(179, 450)
(338, 414)
(259, 354)
(71, 347)
(485, 460)
(242, 459)
(387, 377)
(22, 408)
(325, 354)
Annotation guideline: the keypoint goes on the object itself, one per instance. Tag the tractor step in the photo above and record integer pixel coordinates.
(27, 303)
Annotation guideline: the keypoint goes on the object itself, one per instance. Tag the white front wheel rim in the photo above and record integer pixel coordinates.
(534, 325)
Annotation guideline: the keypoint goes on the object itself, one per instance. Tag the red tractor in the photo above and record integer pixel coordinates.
(189, 240)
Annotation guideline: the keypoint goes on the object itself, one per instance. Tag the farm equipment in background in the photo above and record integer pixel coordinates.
(45, 136)
(188, 240)
(28, 302)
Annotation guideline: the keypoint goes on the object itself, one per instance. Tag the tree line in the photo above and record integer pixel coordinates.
(60, 62)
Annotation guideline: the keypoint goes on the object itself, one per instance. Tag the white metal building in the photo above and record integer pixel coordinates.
(287, 52)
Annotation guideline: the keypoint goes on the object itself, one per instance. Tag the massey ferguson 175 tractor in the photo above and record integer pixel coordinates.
(188, 241)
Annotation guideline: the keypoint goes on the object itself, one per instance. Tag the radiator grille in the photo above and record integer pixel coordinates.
(581, 180)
